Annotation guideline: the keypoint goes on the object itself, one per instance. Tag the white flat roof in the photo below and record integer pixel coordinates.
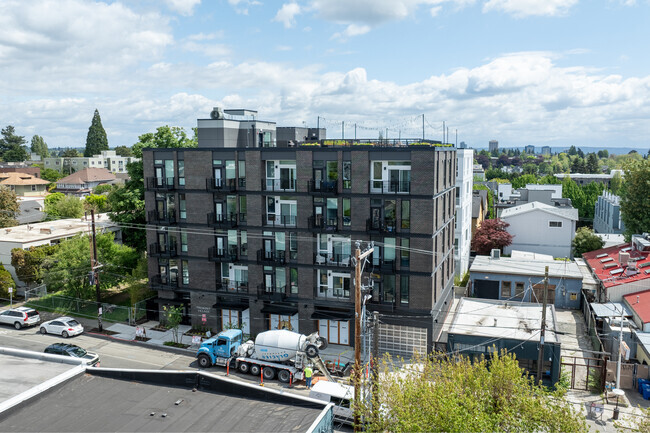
(512, 266)
(56, 229)
(500, 319)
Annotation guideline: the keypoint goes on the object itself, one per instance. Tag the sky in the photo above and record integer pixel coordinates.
(541, 72)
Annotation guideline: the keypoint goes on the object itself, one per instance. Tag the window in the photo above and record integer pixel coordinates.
(243, 248)
(389, 249)
(555, 223)
(242, 208)
(347, 177)
(347, 213)
(182, 207)
(181, 172)
(293, 246)
(280, 280)
(405, 253)
(231, 208)
(506, 289)
(33, 187)
(183, 241)
(519, 290)
(294, 280)
(406, 214)
(242, 173)
(230, 173)
(404, 290)
(186, 272)
(389, 288)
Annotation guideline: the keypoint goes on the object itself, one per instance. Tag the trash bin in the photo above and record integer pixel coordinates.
(616, 412)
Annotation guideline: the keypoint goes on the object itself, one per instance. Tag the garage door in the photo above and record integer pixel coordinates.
(402, 341)
(486, 289)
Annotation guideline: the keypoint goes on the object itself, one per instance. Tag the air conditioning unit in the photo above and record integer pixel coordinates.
(495, 253)
(623, 258)
(216, 113)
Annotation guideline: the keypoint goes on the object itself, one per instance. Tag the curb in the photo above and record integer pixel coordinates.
(168, 349)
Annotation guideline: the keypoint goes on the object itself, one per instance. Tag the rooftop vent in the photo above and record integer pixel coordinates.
(216, 113)
(623, 258)
(608, 259)
(495, 253)
(600, 256)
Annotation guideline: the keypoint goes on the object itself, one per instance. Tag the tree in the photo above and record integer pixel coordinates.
(39, 147)
(58, 205)
(530, 169)
(70, 153)
(523, 180)
(6, 281)
(483, 160)
(98, 203)
(29, 263)
(490, 198)
(635, 200)
(616, 183)
(12, 146)
(172, 317)
(96, 140)
(51, 174)
(592, 164)
(104, 188)
(126, 203)
(586, 240)
(573, 151)
(490, 235)
(123, 151)
(458, 394)
(9, 207)
(165, 137)
(603, 153)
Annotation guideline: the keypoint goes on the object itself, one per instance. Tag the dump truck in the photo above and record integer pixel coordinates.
(277, 353)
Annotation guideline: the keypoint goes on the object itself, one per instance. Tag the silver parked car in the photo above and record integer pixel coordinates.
(63, 326)
(20, 317)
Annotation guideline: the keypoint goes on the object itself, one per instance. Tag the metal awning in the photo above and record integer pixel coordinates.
(233, 303)
(289, 310)
(332, 315)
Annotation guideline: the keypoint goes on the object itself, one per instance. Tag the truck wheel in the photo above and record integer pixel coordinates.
(204, 361)
(268, 373)
(255, 370)
(284, 376)
(244, 367)
(311, 351)
(322, 343)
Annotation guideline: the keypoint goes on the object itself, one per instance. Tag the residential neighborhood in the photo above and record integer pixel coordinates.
(268, 217)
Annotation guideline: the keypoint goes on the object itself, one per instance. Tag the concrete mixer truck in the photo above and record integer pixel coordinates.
(276, 353)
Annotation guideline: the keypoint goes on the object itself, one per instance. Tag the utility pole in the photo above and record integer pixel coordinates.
(343, 130)
(355, 131)
(94, 265)
(443, 132)
(375, 364)
(620, 349)
(540, 356)
(422, 126)
(358, 256)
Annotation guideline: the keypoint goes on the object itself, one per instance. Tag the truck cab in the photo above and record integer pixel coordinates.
(218, 349)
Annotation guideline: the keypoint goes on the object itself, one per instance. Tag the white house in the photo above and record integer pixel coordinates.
(463, 228)
(540, 228)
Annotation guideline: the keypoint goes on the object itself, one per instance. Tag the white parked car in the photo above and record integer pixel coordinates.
(64, 326)
(20, 317)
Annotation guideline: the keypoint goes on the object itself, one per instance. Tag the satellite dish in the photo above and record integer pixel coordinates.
(217, 113)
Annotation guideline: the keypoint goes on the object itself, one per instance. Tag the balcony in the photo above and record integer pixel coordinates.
(280, 220)
(222, 220)
(158, 217)
(160, 183)
(221, 185)
(160, 282)
(222, 255)
(323, 187)
(271, 293)
(336, 260)
(271, 257)
(322, 224)
(226, 285)
(162, 250)
(278, 184)
(389, 187)
(379, 226)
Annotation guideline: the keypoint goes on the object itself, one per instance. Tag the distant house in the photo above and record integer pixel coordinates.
(621, 269)
(522, 280)
(479, 208)
(23, 184)
(82, 182)
(540, 228)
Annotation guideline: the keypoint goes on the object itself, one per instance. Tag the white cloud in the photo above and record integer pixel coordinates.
(524, 8)
(352, 30)
(287, 13)
(205, 36)
(283, 48)
(183, 7)
(241, 6)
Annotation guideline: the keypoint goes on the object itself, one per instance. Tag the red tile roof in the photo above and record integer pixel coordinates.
(605, 261)
(642, 308)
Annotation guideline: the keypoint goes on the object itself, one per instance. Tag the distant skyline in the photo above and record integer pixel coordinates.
(540, 72)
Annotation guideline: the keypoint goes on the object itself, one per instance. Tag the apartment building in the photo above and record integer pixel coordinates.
(463, 223)
(247, 233)
(607, 214)
(108, 159)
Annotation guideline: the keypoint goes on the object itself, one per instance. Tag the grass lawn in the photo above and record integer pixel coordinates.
(84, 308)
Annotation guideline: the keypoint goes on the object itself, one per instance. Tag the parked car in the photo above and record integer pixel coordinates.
(63, 326)
(74, 351)
(20, 317)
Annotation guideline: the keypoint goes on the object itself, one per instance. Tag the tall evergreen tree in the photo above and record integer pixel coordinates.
(39, 147)
(12, 146)
(592, 164)
(96, 140)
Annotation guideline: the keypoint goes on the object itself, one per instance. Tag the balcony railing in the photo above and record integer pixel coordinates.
(271, 257)
(340, 294)
(219, 184)
(159, 282)
(271, 293)
(160, 183)
(320, 223)
(381, 226)
(161, 250)
(280, 220)
(222, 220)
(158, 217)
(226, 285)
(390, 187)
(222, 255)
(278, 184)
(323, 186)
(338, 260)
